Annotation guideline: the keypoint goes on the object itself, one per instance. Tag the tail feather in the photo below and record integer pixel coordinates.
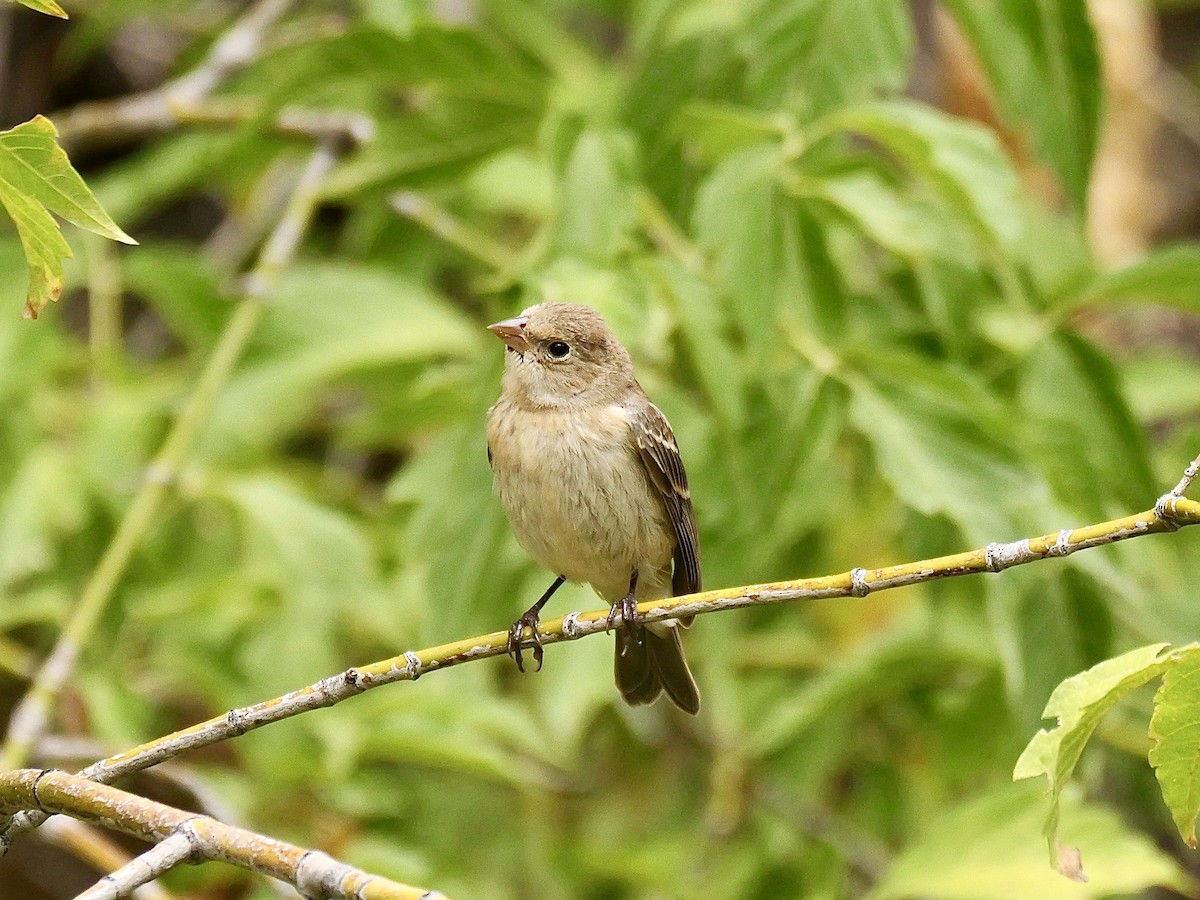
(636, 678)
(648, 663)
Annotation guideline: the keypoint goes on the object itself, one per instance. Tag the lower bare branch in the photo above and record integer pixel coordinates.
(141, 870)
(191, 836)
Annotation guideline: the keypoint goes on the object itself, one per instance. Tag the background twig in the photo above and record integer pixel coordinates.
(29, 718)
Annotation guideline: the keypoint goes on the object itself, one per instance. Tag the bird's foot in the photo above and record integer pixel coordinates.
(624, 609)
(517, 632)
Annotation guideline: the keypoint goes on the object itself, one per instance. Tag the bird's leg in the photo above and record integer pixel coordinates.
(530, 619)
(626, 607)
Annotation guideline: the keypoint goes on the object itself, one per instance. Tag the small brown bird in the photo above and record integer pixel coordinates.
(588, 470)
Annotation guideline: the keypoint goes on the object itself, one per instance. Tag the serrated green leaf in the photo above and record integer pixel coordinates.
(49, 7)
(821, 54)
(1079, 703)
(1175, 730)
(32, 162)
(44, 248)
(36, 178)
(963, 162)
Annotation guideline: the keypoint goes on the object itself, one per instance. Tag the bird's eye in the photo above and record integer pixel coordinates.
(559, 349)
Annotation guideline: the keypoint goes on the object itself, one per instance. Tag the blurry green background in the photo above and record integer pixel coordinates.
(906, 279)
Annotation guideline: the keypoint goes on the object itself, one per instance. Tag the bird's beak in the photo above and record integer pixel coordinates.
(512, 332)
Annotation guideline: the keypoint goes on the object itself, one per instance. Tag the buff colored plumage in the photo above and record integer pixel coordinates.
(590, 475)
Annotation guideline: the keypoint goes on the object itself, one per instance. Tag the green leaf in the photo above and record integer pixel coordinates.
(1170, 276)
(703, 333)
(1079, 703)
(942, 442)
(36, 179)
(823, 54)
(458, 61)
(513, 181)
(183, 287)
(984, 850)
(714, 130)
(327, 322)
(887, 667)
(49, 7)
(736, 219)
(315, 561)
(597, 213)
(45, 500)
(457, 533)
(963, 162)
(1175, 729)
(44, 248)
(1162, 386)
(1084, 410)
(1043, 66)
(880, 211)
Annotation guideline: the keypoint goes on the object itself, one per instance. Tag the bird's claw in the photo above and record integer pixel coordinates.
(626, 610)
(515, 635)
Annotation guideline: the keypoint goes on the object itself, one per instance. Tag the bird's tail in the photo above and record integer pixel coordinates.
(648, 663)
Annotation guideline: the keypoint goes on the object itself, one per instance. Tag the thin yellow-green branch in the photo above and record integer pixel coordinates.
(1171, 513)
(98, 850)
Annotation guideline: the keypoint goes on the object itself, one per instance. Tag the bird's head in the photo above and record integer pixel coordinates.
(560, 354)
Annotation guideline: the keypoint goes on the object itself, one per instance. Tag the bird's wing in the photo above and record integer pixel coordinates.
(660, 453)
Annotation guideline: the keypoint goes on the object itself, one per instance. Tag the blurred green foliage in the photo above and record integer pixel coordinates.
(863, 329)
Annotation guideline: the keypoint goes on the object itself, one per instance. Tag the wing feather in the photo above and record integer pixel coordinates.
(660, 454)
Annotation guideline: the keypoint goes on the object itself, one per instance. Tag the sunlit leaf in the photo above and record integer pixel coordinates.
(49, 7)
(1175, 728)
(1079, 703)
(37, 179)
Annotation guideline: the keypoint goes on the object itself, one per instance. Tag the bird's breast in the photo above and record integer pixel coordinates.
(578, 496)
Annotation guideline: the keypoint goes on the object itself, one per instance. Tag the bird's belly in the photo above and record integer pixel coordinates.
(580, 501)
